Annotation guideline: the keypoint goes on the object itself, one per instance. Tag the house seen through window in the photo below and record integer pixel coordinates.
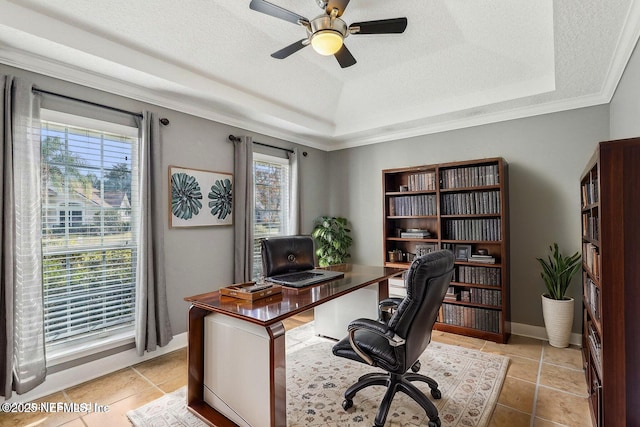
(271, 197)
(89, 246)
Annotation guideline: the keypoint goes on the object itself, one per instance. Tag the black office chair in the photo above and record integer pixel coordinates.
(396, 345)
(286, 254)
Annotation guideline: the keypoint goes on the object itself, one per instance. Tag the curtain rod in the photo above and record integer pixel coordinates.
(236, 139)
(95, 104)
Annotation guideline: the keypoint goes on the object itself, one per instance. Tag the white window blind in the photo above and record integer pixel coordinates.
(89, 249)
(271, 194)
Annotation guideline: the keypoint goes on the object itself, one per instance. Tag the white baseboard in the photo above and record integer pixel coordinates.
(94, 369)
(540, 333)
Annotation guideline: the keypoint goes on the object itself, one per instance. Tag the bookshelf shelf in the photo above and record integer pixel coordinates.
(409, 193)
(470, 216)
(458, 189)
(474, 285)
(412, 216)
(406, 239)
(483, 242)
(463, 205)
(610, 203)
(473, 304)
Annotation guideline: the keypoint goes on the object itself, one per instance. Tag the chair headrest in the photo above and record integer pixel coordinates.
(286, 254)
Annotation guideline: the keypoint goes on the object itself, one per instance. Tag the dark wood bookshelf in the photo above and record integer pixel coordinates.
(610, 210)
(471, 209)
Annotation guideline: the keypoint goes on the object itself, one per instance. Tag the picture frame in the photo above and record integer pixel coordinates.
(462, 252)
(199, 198)
(425, 248)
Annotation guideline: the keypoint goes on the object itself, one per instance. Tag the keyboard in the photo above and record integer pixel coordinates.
(300, 279)
(296, 277)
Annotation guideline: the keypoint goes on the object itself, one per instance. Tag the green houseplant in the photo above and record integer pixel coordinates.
(557, 309)
(331, 235)
(557, 272)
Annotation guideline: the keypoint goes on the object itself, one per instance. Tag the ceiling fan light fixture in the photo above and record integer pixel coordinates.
(326, 42)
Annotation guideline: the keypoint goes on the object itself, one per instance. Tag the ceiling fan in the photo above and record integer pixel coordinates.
(326, 32)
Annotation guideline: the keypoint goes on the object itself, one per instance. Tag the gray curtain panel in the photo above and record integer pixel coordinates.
(294, 200)
(152, 328)
(6, 238)
(243, 209)
(22, 352)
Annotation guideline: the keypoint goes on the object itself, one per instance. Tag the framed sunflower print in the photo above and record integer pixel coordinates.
(200, 198)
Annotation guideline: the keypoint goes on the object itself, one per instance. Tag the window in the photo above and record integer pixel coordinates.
(89, 246)
(70, 217)
(271, 194)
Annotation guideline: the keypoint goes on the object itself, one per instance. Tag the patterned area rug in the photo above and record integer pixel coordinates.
(470, 382)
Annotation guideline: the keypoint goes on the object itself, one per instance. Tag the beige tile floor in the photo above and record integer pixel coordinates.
(544, 387)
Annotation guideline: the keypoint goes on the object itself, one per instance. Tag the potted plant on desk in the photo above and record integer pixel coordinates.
(332, 238)
(557, 308)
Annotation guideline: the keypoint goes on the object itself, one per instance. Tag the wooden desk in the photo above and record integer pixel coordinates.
(268, 313)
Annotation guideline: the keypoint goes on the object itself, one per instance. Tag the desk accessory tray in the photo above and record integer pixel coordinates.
(244, 291)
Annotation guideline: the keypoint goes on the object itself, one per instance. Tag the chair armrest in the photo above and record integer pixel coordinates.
(375, 327)
(390, 302)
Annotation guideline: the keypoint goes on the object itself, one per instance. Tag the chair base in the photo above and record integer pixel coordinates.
(395, 383)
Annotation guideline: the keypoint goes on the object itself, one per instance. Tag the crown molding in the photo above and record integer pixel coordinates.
(623, 51)
(70, 73)
(477, 120)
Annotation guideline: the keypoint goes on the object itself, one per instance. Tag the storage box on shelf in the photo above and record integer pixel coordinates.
(463, 207)
(610, 277)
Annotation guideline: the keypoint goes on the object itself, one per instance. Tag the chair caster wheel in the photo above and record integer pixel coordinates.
(416, 367)
(347, 403)
(436, 393)
(434, 423)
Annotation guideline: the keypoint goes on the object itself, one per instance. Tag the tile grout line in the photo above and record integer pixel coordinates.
(535, 393)
(582, 396)
(154, 385)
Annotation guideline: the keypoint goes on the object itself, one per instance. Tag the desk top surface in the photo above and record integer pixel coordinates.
(292, 301)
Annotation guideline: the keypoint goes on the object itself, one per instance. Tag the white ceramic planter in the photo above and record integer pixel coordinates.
(558, 320)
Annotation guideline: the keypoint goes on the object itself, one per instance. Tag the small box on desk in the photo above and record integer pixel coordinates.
(249, 291)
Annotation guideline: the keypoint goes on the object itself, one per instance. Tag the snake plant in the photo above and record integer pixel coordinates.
(558, 270)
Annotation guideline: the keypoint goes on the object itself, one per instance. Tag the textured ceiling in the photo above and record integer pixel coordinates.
(459, 63)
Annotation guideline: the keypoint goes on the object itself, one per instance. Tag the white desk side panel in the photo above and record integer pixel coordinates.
(332, 318)
(236, 370)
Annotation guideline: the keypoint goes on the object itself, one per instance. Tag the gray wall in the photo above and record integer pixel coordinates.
(198, 260)
(546, 156)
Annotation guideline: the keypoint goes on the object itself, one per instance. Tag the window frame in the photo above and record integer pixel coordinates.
(286, 201)
(62, 353)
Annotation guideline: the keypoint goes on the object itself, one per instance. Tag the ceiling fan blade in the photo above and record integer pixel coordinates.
(276, 11)
(289, 50)
(344, 57)
(383, 26)
(341, 5)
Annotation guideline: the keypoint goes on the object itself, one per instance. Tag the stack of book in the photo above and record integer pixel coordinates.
(485, 259)
(415, 233)
(452, 294)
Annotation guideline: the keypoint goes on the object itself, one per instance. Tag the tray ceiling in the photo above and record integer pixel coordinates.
(459, 63)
